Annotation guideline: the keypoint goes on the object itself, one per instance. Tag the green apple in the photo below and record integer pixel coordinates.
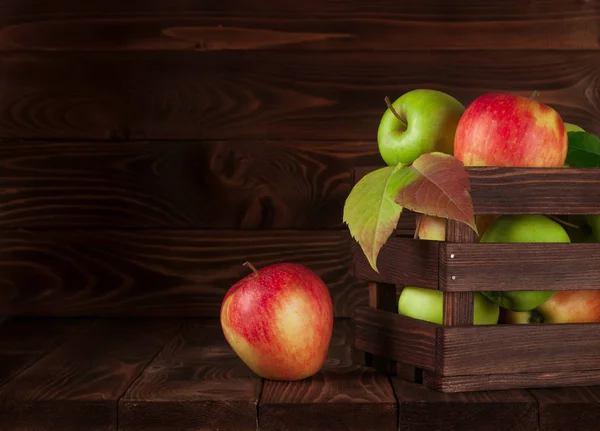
(523, 228)
(587, 230)
(593, 222)
(483, 221)
(428, 304)
(579, 227)
(422, 121)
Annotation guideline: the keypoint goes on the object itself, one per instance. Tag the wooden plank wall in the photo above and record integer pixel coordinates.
(148, 148)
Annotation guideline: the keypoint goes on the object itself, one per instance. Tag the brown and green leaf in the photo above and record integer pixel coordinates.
(370, 211)
(437, 184)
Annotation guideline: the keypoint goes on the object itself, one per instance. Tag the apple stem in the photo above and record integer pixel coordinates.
(534, 95)
(391, 108)
(252, 267)
(561, 221)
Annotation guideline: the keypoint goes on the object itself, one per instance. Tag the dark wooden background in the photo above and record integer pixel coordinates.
(148, 148)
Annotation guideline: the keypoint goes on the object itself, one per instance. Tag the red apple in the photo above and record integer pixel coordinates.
(500, 129)
(279, 321)
(432, 228)
(565, 306)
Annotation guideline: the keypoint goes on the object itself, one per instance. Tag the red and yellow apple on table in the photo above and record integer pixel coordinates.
(279, 318)
(279, 321)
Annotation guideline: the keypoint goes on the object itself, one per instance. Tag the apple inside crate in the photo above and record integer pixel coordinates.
(457, 355)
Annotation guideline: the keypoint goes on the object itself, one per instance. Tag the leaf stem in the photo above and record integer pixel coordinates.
(418, 225)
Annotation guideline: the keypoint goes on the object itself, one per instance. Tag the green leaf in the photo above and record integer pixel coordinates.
(370, 211)
(584, 150)
(437, 184)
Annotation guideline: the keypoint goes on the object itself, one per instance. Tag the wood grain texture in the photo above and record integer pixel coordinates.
(422, 409)
(397, 337)
(401, 261)
(468, 383)
(24, 340)
(264, 94)
(343, 395)
(501, 190)
(534, 190)
(196, 382)
(458, 307)
(237, 184)
(243, 24)
(506, 349)
(408, 372)
(158, 272)
(77, 385)
(167, 375)
(568, 409)
(525, 266)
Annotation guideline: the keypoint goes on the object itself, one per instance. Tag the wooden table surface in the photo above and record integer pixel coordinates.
(168, 374)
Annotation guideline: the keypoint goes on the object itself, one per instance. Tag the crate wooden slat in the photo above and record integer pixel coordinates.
(494, 382)
(483, 266)
(419, 268)
(519, 266)
(501, 190)
(503, 349)
(396, 337)
(450, 362)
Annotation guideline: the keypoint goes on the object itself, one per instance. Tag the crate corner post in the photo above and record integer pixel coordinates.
(383, 297)
(458, 306)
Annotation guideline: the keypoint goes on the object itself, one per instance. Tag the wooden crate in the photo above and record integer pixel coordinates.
(458, 356)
